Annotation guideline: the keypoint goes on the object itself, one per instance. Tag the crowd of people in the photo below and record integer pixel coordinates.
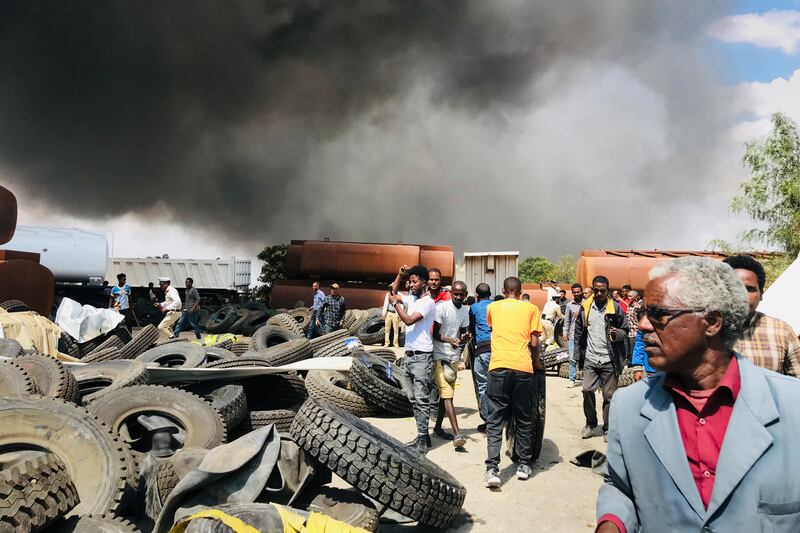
(712, 402)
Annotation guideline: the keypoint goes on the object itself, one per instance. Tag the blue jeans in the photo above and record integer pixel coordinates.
(312, 325)
(573, 360)
(191, 318)
(480, 370)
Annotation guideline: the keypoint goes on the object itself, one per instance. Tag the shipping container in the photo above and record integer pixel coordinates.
(489, 267)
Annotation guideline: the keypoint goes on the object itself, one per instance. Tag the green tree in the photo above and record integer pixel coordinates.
(274, 267)
(536, 269)
(772, 194)
(566, 269)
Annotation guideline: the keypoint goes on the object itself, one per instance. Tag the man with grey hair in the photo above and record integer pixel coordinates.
(708, 414)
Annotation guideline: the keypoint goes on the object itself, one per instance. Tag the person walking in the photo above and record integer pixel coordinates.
(570, 317)
(481, 335)
(767, 341)
(318, 299)
(516, 326)
(391, 323)
(449, 336)
(600, 329)
(171, 307)
(332, 311)
(190, 316)
(121, 299)
(710, 442)
(417, 312)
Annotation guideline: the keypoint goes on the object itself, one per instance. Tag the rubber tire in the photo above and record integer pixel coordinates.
(323, 340)
(345, 505)
(227, 398)
(387, 354)
(15, 380)
(282, 418)
(239, 348)
(166, 480)
(550, 359)
(378, 464)
(141, 341)
(15, 306)
(288, 352)
(626, 377)
(360, 320)
(51, 377)
(372, 331)
(97, 524)
(334, 349)
(255, 306)
(215, 353)
(268, 336)
(255, 320)
(222, 319)
(302, 316)
(276, 391)
(236, 327)
(204, 425)
(326, 385)
(175, 354)
(34, 493)
(10, 348)
(260, 516)
(563, 371)
(367, 383)
(97, 379)
(99, 463)
(285, 321)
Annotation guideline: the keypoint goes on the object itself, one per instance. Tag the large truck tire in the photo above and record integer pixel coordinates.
(288, 352)
(222, 319)
(14, 306)
(334, 387)
(254, 320)
(97, 524)
(34, 492)
(51, 377)
(378, 464)
(15, 380)
(372, 331)
(199, 424)
(360, 318)
(98, 462)
(334, 349)
(323, 340)
(227, 398)
(345, 505)
(626, 377)
(550, 358)
(175, 354)
(281, 418)
(216, 353)
(141, 341)
(268, 336)
(276, 391)
(380, 383)
(285, 321)
(302, 316)
(96, 379)
(563, 371)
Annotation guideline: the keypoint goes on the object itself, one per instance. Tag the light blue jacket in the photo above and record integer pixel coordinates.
(648, 483)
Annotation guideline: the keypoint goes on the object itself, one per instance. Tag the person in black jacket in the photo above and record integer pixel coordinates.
(600, 331)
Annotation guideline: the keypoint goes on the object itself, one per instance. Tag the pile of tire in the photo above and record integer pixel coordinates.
(241, 319)
(373, 330)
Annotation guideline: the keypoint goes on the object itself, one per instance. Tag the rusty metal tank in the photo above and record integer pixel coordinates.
(365, 262)
(289, 293)
(8, 215)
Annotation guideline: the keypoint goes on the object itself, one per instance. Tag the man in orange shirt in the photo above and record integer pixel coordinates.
(516, 326)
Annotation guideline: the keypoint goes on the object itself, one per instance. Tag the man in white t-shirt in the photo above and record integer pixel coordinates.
(449, 337)
(417, 310)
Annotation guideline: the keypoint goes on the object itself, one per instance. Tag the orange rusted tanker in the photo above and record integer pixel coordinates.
(363, 262)
(8, 215)
(291, 292)
(631, 267)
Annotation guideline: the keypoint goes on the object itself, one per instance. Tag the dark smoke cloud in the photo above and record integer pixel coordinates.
(471, 123)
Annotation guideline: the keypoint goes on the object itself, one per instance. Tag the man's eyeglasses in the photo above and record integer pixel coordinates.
(661, 316)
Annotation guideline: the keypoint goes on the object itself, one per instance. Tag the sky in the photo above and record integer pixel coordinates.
(520, 125)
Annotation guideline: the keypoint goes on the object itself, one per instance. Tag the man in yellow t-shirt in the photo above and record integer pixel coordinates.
(516, 326)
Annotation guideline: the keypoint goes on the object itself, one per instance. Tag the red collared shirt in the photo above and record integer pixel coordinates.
(703, 418)
(443, 296)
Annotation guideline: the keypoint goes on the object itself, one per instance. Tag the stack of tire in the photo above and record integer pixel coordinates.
(373, 330)
(242, 319)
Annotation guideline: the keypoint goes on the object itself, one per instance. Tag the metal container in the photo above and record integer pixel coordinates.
(8, 214)
(232, 274)
(364, 262)
(28, 282)
(72, 255)
(489, 267)
(290, 293)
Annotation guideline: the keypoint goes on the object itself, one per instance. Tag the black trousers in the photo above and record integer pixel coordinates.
(596, 376)
(509, 389)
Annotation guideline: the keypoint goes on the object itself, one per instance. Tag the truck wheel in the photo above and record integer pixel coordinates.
(140, 342)
(34, 492)
(387, 354)
(97, 524)
(15, 306)
(334, 349)
(282, 418)
(390, 473)
(15, 380)
(175, 354)
(323, 340)
(360, 320)
(99, 464)
(228, 399)
(285, 321)
(198, 424)
(222, 319)
(239, 348)
(215, 353)
(276, 391)
(380, 383)
(96, 379)
(334, 388)
(302, 316)
(345, 505)
(254, 320)
(269, 336)
(51, 377)
(372, 331)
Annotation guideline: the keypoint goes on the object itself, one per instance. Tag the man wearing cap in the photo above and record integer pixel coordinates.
(120, 299)
(332, 312)
(171, 307)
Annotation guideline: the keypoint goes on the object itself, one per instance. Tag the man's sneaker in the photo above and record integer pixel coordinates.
(587, 432)
(571, 383)
(482, 428)
(459, 441)
(492, 479)
(422, 444)
(442, 434)
(524, 472)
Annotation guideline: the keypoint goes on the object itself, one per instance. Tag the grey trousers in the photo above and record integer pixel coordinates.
(598, 376)
(419, 387)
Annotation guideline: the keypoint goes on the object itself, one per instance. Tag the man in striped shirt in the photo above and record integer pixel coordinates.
(766, 341)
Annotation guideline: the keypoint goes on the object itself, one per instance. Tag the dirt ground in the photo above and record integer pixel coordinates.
(558, 497)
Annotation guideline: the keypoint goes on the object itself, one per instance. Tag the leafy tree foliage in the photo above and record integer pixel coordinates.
(536, 269)
(274, 267)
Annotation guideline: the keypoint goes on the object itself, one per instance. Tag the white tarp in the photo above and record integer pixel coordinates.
(84, 323)
(782, 297)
